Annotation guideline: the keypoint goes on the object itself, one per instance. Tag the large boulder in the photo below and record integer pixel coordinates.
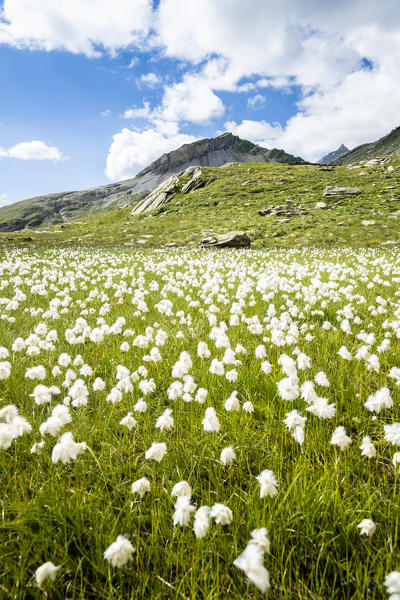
(232, 239)
(283, 210)
(340, 191)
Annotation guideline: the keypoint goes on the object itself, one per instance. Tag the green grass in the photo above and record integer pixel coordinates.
(232, 199)
(69, 514)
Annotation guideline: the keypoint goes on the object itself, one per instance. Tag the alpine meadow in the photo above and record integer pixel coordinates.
(199, 300)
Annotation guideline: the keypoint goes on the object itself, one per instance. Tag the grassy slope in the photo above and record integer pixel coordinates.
(389, 144)
(232, 199)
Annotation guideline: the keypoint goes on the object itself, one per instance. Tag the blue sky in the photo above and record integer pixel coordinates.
(93, 91)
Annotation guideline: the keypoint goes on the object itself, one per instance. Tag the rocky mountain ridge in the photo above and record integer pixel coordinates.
(64, 207)
(385, 146)
(328, 158)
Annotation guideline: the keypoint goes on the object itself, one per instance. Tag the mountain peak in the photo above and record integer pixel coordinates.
(332, 155)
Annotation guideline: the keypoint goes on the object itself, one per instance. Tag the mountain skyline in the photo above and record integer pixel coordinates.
(90, 101)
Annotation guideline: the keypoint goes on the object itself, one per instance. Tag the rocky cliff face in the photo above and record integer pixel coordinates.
(328, 158)
(386, 145)
(210, 152)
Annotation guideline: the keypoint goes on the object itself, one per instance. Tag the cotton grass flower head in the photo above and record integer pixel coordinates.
(392, 433)
(248, 407)
(128, 421)
(141, 486)
(210, 421)
(367, 527)
(201, 522)
(221, 514)
(251, 563)
(120, 552)
(156, 451)
(165, 422)
(182, 488)
(260, 537)
(227, 455)
(340, 438)
(268, 484)
(46, 571)
(232, 403)
(66, 449)
(6, 436)
(288, 389)
(392, 584)
(183, 511)
(367, 448)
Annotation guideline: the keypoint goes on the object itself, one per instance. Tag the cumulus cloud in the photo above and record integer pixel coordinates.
(259, 132)
(150, 79)
(131, 150)
(76, 26)
(34, 150)
(256, 102)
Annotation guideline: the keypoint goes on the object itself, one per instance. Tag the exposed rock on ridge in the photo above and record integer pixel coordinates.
(59, 208)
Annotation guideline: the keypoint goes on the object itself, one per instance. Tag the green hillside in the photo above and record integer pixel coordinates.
(386, 145)
(231, 199)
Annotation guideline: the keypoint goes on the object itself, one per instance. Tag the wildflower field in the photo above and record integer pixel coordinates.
(198, 424)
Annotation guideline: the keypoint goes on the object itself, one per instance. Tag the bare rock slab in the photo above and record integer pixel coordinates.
(232, 239)
(339, 191)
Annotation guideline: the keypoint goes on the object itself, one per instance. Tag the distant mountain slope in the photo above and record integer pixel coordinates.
(389, 144)
(63, 207)
(275, 204)
(328, 158)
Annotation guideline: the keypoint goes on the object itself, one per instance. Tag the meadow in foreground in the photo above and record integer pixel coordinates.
(193, 424)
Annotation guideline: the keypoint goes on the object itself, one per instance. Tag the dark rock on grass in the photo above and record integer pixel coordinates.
(232, 239)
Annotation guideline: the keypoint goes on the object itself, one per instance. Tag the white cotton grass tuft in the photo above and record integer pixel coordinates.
(227, 455)
(367, 448)
(210, 421)
(251, 563)
(367, 527)
(340, 438)
(232, 403)
(120, 552)
(183, 511)
(201, 522)
(141, 486)
(128, 421)
(156, 451)
(165, 422)
(392, 433)
(46, 571)
(66, 449)
(268, 484)
(221, 514)
(182, 488)
(260, 537)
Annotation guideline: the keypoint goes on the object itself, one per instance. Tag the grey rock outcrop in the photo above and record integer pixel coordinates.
(282, 210)
(232, 239)
(339, 191)
(166, 190)
(325, 160)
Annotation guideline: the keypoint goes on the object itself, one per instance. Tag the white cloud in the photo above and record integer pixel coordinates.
(74, 25)
(131, 151)
(105, 113)
(259, 132)
(255, 102)
(138, 113)
(34, 150)
(151, 79)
